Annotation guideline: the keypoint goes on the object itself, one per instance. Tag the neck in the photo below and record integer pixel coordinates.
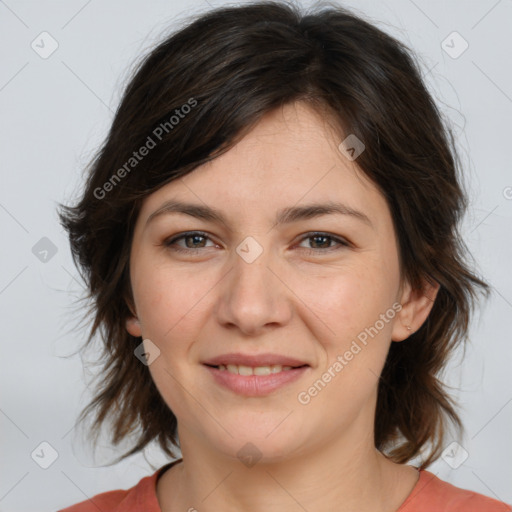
(335, 475)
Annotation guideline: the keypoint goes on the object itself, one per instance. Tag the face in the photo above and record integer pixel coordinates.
(260, 278)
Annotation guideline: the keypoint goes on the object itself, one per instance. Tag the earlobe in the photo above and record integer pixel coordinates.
(132, 323)
(133, 326)
(416, 306)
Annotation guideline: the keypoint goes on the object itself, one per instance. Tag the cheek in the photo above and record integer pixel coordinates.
(351, 300)
(168, 304)
(359, 312)
(165, 298)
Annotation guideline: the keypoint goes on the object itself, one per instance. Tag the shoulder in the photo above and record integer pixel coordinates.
(433, 494)
(124, 500)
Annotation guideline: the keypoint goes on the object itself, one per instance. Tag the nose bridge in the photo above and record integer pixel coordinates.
(252, 296)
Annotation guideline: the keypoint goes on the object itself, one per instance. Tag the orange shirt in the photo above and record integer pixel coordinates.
(430, 494)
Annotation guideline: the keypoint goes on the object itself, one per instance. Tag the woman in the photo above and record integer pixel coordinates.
(269, 237)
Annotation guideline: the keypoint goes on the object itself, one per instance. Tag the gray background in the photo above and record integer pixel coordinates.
(56, 110)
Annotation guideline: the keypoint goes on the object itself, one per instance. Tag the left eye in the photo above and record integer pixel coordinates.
(193, 236)
(324, 240)
(195, 240)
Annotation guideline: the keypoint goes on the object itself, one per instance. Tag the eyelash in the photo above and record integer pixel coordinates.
(169, 243)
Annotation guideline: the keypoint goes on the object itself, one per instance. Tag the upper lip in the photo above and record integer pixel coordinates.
(254, 360)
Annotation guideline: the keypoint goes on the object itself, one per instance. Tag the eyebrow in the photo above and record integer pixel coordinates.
(284, 216)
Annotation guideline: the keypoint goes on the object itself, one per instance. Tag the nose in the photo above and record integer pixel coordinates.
(253, 296)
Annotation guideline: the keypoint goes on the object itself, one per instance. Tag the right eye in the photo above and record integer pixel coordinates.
(194, 241)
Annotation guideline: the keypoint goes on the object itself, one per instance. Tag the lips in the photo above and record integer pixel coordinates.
(249, 375)
(254, 360)
(256, 385)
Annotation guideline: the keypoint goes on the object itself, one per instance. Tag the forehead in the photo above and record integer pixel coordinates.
(290, 157)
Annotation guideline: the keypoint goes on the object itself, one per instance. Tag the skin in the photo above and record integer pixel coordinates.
(308, 305)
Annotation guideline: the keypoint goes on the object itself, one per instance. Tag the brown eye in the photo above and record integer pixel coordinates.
(193, 240)
(323, 242)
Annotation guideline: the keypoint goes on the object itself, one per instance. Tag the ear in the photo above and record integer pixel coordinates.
(132, 322)
(416, 306)
(133, 326)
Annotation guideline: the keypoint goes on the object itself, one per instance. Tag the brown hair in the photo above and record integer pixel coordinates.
(231, 66)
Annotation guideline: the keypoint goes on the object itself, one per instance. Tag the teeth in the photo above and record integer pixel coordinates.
(258, 370)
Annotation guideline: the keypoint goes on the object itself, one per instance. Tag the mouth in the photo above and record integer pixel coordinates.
(244, 361)
(247, 371)
(255, 374)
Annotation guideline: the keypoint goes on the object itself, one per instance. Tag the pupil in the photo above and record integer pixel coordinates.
(325, 238)
(195, 239)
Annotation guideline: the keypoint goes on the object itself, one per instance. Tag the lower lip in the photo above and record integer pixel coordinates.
(255, 385)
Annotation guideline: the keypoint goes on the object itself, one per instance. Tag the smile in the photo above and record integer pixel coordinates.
(255, 381)
(249, 370)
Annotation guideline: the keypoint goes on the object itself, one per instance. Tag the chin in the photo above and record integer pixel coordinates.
(258, 443)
